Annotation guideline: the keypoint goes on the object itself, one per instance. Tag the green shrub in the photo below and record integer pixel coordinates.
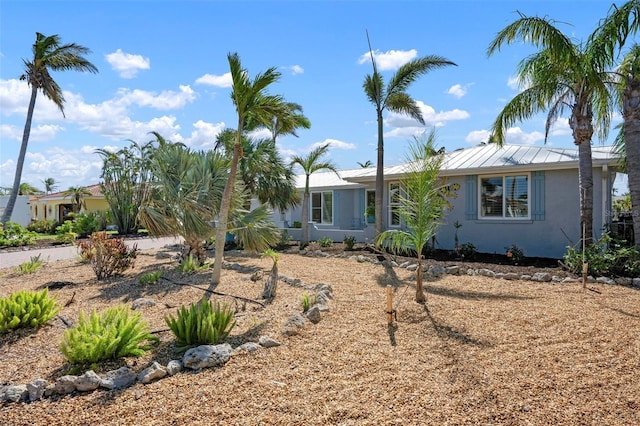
(150, 278)
(307, 301)
(468, 251)
(190, 264)
(514, 253)
(114, 333)
(30, 267)
(296, 224)
(65, 232)
(349, 241)
(26, 309)
(108, 256)
(13, 235)
(43, 226)
(86, 224)
(325, 242)
(605, 257)
(202, 324)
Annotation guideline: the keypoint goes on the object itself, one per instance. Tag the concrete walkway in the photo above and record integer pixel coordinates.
(15, 258)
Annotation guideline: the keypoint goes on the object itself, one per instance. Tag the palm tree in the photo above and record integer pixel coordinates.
(253, 105)
(310, 164)
(394, 97)
(366, 164)
(561, 76)
(26, 189)
(77, 194)
(612, 34)
(48, 55)
(422, 205)
(288, 124)
(49, 185)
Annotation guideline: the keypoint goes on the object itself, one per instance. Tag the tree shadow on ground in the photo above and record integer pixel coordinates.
(389, 277)
(471, 295)
(445, 331)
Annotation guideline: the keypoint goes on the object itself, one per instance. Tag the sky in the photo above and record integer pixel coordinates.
(163, 67)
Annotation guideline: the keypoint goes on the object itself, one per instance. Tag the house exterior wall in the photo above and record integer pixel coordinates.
(21, 214)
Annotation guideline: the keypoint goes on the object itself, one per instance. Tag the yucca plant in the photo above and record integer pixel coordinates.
(113, 333)
(26, 309)
(30, 267)
(203, 323)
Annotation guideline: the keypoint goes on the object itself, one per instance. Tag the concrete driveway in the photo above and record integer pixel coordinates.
(14, 258)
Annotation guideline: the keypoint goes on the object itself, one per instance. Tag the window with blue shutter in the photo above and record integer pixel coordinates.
(471, 198)
(537, 195)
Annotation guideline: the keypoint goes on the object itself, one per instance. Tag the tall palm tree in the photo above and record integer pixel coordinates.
(561, 76)
(366, 164)
(422, 205)
(253, 105)
(48, 55)
(49, 185)
(289, 123)
(27, 189)
(612, 34)
(393, 97)
(77, 195)
(310, 164)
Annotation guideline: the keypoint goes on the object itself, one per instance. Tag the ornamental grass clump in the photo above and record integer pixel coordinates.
(204, 323)
(26, 309)
(30, 267)
(111, 334)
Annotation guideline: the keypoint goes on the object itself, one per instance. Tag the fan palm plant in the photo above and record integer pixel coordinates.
(48, 55)
(77, 195)
(49, 185)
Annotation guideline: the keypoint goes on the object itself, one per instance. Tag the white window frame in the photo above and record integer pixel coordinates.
(322, 200)
(393, 205)
(504, 216)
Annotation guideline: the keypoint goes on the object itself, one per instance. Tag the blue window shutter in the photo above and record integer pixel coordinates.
(471, 198)
(537, 195)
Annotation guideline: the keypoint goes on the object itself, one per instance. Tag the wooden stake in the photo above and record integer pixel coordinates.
(389, 305)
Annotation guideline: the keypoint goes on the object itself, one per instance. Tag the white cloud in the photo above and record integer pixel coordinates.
(431, 117)
(457, 90)
(127, 64)
(561, 128)
(333, 143)
(40, 133)
(389, 60)
(295, 69)
(205, 134)
(516, 136)
(165, 100)
(477, 136)
(513, 83)
(223, 80)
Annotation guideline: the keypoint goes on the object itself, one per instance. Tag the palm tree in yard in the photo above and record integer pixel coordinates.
(393, 97)
(48, 55)
(422, 204)
(288, 124)
(310, 164)
(612, 34)
(77, 195)
(27, 189)
(49, 185)
(562, 76)
(253, 105)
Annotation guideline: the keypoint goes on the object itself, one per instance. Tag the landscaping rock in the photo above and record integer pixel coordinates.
(121, 378)
(541, 277)
(510, 276)
(313, 314)
(14, 393)
(174, 366)
(205, 356)
(36, 389)
(142, 303)
(486, 273)
(65, 384)
(268, 342)
(248, 347)
(452, 270)
(605, 280)
(88, 381)
(154, 372)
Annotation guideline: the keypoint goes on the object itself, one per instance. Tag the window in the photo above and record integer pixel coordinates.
(394, 204)
(504, 197)
(322, 207)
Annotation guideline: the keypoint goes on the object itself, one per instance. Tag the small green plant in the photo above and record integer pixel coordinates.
(30, 267)
(468, 251)
(605, 257)
(307, 301)
(515, 254)
(108, 256)
(26, 309)
(43, 226)
(349, 241)
(202, 324)
(325, 242)
(457, 225)
(191, 264)
(111, 334)
(65, 232)
(150, 278)
(86, 224)
(296, 224)
(13, 235)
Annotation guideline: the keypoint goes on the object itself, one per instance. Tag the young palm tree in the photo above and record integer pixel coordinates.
(49, 185)
(253, 105)
(612, 34)
(310, 164)
(48, 55)
(394, 97)
(422, 205)
(366, 164)
(77, 194)
(561, 76)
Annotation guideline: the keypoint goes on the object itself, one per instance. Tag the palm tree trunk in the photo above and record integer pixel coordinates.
(305, 215)
(581, 123)
(631, 113)
(419, 274)
(379, 176)
(6, 217)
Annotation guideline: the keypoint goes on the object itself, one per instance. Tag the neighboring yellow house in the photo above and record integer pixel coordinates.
(57, 206)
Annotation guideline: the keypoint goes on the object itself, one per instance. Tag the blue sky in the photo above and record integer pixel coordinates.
(163, 67)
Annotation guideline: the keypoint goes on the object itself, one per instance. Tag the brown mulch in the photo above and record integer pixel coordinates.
(480, 351)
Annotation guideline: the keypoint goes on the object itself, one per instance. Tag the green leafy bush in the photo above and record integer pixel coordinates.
(605, 257)
(26, 309)
(468, 251)
(43, 226)
(108, 256)
(514, 253)
(150, 278)
(31, 266)
(349, 241)
(203, 323)
(65, 232)
(296, 224)
(13, 235)
(190, 264)
(86, 224)
(114, 333)
(325, 242)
